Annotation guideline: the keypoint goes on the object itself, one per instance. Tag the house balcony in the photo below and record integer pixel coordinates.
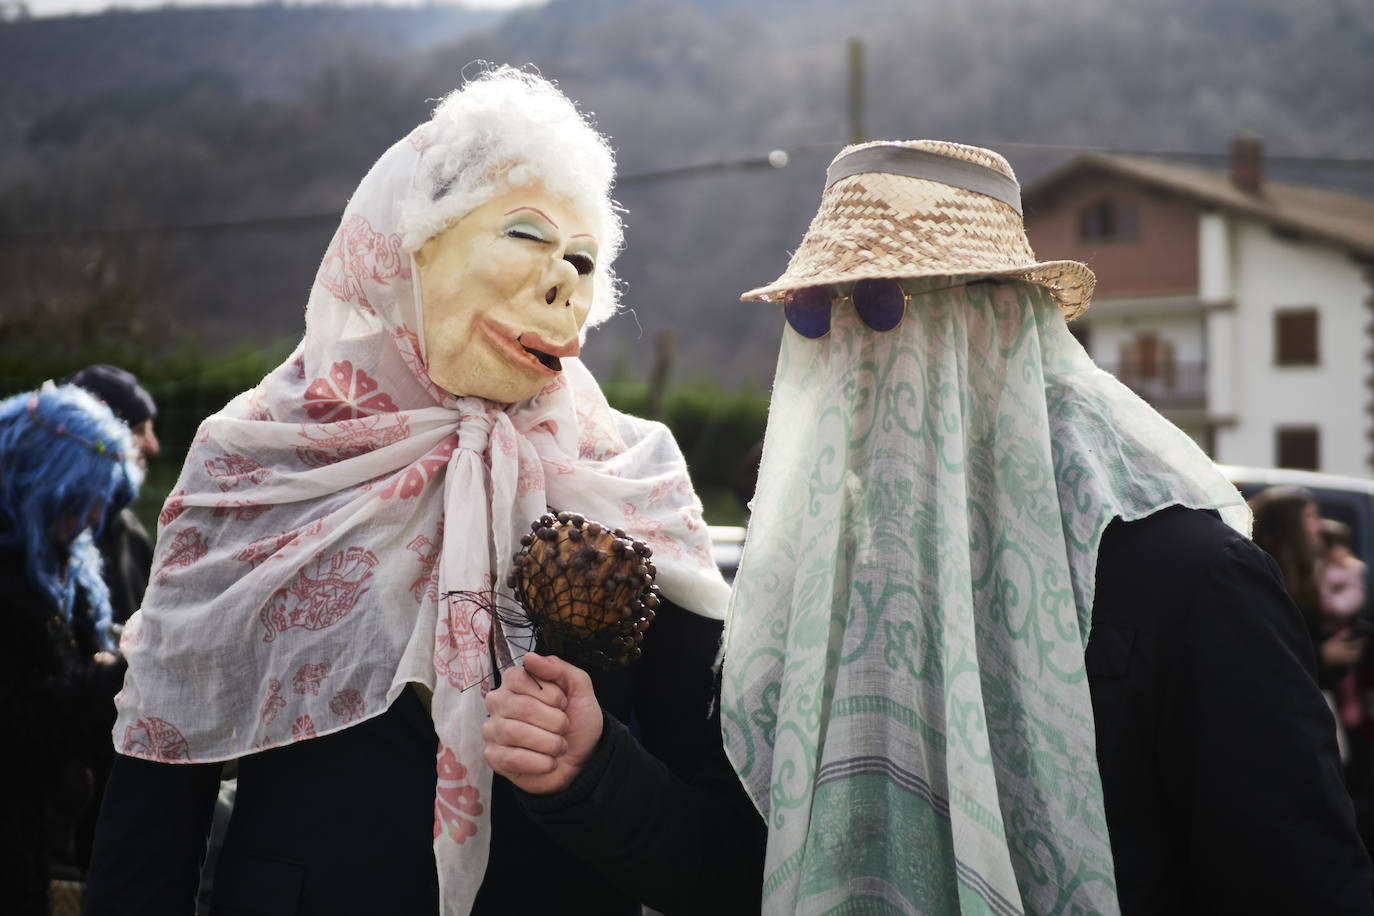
(1169, 386)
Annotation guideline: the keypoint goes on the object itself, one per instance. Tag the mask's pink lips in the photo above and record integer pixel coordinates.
(529, 349)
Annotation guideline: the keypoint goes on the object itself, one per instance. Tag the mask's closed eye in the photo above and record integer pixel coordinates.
(525, 231)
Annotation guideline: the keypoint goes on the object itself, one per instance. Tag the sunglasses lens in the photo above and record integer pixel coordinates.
(880, 303)
(808, 311)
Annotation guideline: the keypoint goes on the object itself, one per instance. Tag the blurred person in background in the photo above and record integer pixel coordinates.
(124, 545)
(1288, 528)
(1341, 587)
(1341, 584)
(66, 465)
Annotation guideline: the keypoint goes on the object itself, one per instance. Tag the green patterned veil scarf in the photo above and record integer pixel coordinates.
(904, 687)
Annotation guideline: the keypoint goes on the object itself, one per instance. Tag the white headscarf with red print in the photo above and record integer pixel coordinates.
(321, 515)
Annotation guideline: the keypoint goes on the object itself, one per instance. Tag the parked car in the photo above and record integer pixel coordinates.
(1345, 499)
(727, 543)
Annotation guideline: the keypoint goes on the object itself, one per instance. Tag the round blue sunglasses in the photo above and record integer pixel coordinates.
(881, 304)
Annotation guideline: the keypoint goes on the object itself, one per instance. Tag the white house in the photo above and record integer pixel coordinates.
(1240, 308)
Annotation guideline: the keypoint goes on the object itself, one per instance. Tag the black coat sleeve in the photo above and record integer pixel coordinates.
(666, 819)
(151, 837)
(1269, 825)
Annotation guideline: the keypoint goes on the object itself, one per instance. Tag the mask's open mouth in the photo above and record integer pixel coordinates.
(551, 362)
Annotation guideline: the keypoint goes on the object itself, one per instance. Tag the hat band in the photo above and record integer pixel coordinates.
(919, 163)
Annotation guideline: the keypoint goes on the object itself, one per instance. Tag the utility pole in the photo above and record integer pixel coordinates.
(658, 375)
(856, 90)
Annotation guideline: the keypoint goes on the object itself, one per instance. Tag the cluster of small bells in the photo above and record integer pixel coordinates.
(588, 590)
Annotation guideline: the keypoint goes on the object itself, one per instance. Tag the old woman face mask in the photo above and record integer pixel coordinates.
(505, 292)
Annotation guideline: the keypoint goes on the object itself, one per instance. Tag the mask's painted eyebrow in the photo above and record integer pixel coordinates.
(536, 210)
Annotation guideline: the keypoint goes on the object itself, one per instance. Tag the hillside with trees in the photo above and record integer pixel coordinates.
(179, 172)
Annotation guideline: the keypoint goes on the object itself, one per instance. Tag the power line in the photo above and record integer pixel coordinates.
(775, 159)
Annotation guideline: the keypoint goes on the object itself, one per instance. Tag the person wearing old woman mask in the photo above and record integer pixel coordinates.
(998, 642)
(317, 609)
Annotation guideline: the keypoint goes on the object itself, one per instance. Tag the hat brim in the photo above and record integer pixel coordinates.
(1070, 283)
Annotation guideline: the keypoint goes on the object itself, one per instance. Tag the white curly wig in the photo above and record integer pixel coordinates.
(504, 129)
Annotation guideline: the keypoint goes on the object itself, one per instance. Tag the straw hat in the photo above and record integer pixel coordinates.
(923, 208)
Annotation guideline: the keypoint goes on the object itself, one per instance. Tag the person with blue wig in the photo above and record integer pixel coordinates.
(66, 464)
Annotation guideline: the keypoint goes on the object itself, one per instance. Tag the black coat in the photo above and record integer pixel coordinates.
(1220, 775)
(127, 552)
(674, 829)
(343, 823)
(57, 706)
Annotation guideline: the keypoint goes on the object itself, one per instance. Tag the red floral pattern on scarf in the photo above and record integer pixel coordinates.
(559, 466)
(330, 443)
(411, 481)
(322, 594)
(348, 705)
(359, 255)
(230, 471)
(267, 548)
(309, 677)
(272, 704)
(346, 393)
(426, 584)
(453, 800)
(172, 508)
(257, 407)
(596, 440)
(650, 530)
(154, 739)
(302, 728)
(243, 510)
(460, 645)
(187, 547)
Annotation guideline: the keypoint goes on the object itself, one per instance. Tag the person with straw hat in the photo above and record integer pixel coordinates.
(999, 642)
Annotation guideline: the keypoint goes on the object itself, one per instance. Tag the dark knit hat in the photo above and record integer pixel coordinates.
(119, 389)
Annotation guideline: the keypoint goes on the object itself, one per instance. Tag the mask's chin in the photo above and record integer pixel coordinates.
(498, 363)
(500, 383)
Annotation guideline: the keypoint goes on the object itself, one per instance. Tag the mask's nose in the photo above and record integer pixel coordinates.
(564, 282)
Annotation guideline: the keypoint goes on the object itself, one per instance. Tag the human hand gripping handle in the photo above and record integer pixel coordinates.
(542, 732)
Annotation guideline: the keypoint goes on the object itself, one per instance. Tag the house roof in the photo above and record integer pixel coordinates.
(1342, 217)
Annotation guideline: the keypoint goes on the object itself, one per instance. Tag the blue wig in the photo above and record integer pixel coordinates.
(64, 457)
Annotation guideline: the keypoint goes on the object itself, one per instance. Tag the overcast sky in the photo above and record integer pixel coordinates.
(64, 7)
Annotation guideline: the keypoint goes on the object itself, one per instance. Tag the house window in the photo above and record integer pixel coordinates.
(1109, 220)
(1298, 447)
(1295, 337)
